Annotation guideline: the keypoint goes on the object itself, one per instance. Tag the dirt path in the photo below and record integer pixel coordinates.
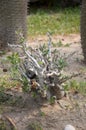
(72, 38)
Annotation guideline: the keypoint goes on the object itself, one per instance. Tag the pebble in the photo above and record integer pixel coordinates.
(69, 127)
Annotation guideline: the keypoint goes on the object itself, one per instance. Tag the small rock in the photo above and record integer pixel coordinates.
(69, 127)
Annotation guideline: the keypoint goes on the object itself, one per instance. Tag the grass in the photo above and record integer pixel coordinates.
(35, 126)
(6, 82)
(56, 21)
(76, 86)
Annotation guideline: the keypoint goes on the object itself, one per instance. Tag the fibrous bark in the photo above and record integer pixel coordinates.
(83, 28)
(12, 21)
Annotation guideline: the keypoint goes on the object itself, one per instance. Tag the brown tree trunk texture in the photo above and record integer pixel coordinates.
(83, 28)
(12, 19)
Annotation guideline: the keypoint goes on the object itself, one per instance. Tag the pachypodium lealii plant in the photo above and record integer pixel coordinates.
(40, 69)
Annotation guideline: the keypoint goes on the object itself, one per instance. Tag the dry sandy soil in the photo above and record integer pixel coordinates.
(31, 114)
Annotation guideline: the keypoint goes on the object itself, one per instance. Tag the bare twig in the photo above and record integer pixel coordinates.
(13, 126)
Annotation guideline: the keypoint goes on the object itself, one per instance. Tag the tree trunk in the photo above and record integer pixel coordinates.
(12, 19)
(83, 28)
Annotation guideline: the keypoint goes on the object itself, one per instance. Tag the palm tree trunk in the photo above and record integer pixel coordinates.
(83, 28)
(12, 19)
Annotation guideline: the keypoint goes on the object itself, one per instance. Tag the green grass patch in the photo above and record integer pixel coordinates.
(76, 86)
(56, 21)
(6, 82)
